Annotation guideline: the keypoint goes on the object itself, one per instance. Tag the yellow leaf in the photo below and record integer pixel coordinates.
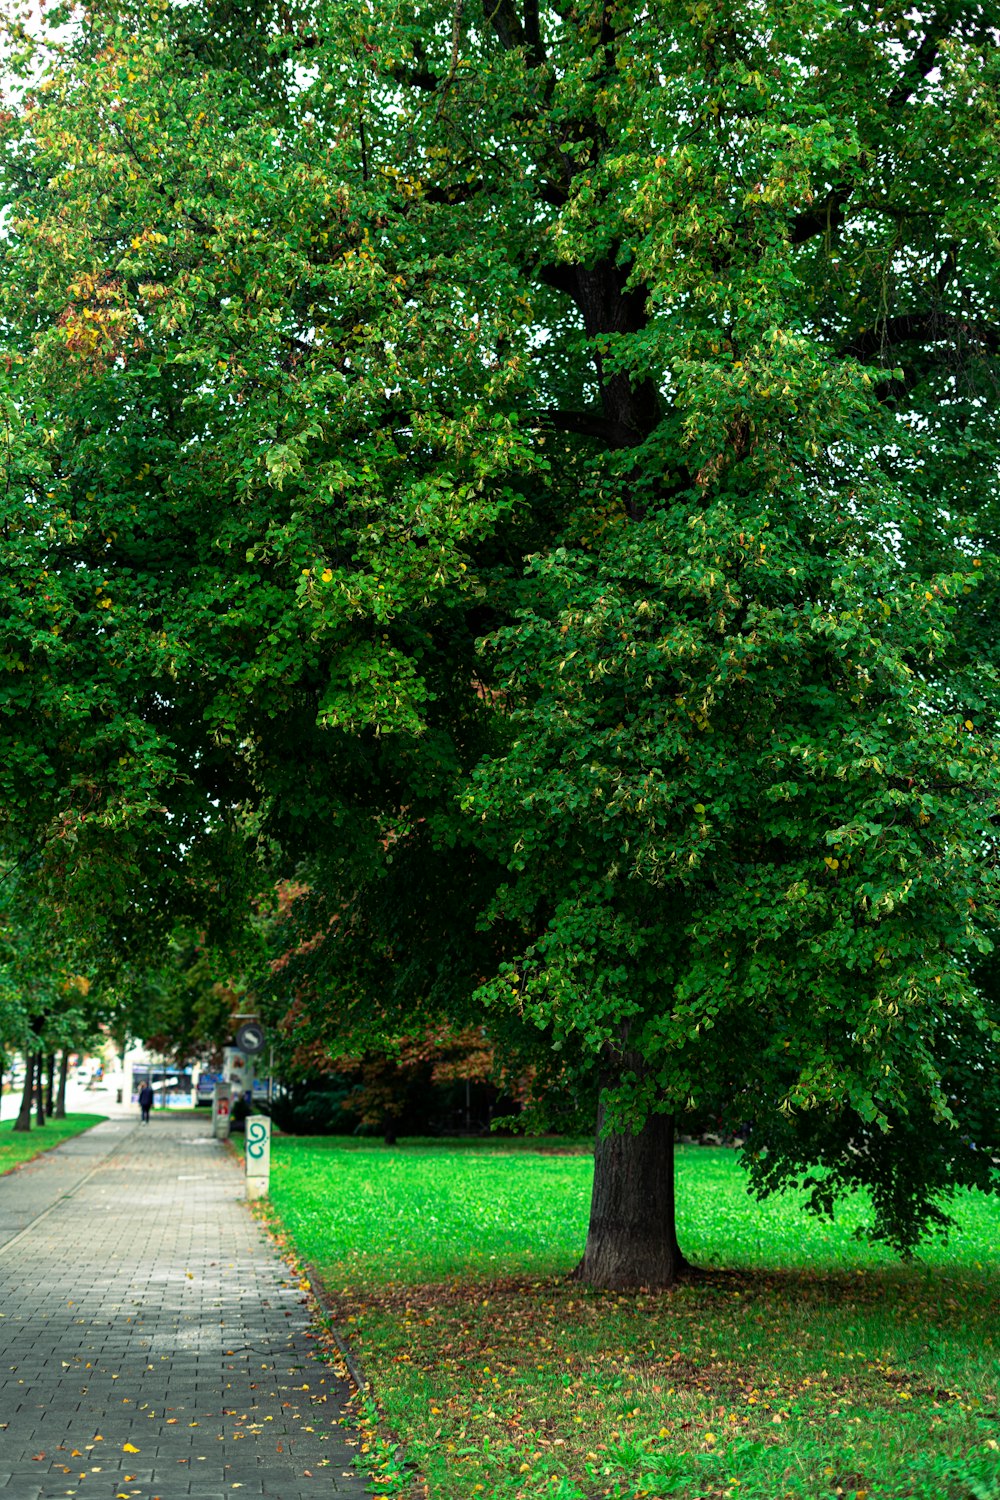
(129, 1448)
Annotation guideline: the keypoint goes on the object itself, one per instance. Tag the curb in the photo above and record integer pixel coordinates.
(319, 1293)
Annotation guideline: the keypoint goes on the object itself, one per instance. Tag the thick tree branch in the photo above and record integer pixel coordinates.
(589, 424)
(947, 269)
(418, 78)
(553, 193)
(533, 34)
(456, 39)
(924, 328)
(452, 192)
(501, 15)
(423, 75)
(824, 220)
(560, 279)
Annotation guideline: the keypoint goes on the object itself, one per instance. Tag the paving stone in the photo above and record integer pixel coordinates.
(141, 1304)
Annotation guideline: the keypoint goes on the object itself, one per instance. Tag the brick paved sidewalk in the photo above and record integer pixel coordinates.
(141, 1305)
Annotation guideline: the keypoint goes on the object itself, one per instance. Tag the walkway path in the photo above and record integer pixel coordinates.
(152, 1343)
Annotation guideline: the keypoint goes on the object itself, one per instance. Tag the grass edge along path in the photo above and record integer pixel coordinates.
(820, 1367)
(17, 1148)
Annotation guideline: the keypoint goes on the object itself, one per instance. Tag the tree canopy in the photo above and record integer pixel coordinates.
(529, 474)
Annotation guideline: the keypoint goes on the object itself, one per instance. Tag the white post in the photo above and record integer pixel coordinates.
(258, 1155)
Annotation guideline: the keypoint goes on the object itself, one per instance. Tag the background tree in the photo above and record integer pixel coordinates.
(179, 1001)
(47, 1007)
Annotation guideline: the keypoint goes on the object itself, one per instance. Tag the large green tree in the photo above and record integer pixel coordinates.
(650, 347)
(46, 1003)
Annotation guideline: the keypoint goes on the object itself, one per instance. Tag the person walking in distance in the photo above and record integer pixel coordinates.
(146, 1101)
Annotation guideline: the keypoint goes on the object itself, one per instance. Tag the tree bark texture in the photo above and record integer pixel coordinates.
(632, 1238)
(60, 1109)
(50, 1084)
(40, 1088)
(23, 1121)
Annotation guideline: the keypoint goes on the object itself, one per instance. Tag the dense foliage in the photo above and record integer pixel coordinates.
(528, 473)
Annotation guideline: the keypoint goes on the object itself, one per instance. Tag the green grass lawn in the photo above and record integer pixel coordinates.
(20, 1146)
(804, 1365)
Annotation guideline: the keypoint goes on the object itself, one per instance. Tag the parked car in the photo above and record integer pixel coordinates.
(205, 1089)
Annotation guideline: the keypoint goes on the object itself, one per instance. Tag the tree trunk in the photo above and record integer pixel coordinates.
(23, 1121)
(50, 1084)
(60, 1110)
(632, 1238)
(39, 1088)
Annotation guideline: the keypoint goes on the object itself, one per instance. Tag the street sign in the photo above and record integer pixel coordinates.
(258, 1155)
(250, 1038)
